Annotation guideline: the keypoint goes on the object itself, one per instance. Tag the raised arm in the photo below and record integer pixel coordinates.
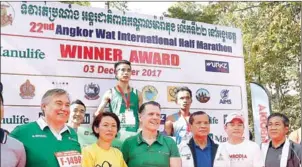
(105, 100)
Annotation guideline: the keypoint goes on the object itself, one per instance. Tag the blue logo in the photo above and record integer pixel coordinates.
(163, 118)
(224, 94)
(202, 95)
(149, 93)
(217, 66)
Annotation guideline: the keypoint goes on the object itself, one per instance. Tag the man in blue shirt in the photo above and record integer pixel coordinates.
(200, 150)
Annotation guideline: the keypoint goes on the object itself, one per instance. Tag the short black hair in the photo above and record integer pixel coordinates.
(181, 89)
(121, 62)
(143, 106)
(100, 116)
(191, 119)
(77, 101)
(284, 118)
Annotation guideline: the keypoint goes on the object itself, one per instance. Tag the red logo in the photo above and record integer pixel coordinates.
(27, 90)
(7, 14)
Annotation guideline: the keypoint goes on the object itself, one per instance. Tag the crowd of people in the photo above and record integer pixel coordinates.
(127, 134)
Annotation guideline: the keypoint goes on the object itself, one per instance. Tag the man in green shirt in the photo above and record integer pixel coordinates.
(123, 100)
(48, 141)
(150, 148)
(76, 118)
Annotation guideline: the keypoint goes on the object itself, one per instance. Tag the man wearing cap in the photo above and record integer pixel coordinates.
(12, 150)
(237, 151)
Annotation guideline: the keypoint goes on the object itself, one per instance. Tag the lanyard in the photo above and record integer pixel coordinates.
(127, 101)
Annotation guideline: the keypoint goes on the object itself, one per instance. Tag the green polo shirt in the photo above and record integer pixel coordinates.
(41, 144)
(138, 153)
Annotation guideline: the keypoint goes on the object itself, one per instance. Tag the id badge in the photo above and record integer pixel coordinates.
(69, 158)
(129, 117)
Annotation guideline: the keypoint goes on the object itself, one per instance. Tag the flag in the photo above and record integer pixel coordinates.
(261, 110)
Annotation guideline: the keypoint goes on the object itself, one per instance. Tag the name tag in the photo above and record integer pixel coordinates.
(69, 158)
(127, 119)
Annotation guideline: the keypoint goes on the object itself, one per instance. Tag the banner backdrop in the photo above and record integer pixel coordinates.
(49, 44)
(261, 110)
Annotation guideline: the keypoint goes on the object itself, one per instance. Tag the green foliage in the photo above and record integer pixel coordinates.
(119, 5)
(81, 3)
(271, 44)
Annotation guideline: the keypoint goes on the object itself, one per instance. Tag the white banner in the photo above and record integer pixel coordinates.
(50, 44)
(261, 110)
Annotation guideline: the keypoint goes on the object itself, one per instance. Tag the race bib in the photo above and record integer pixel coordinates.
(69, 158)
(127, 119)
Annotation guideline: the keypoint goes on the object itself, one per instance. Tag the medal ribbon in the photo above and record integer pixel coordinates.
(127, 101)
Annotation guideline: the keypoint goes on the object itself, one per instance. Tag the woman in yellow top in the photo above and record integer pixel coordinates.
(100, 154)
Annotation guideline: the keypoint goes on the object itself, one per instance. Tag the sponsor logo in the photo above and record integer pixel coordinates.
(149, 93)
(41, 114)
(224, 118)
(92, 91)
(86, 119)
(263, 119)
(202, 95)
(187, 156)
(59, 84)
(39, 136)
(224, 94)
(23, 54)
(220, 157)
(163, 118)
(7, 14)
(15, 119)
(218, 138)
(213, 120)
(217, 66)
(171, 91)
(27, 90)
(238, 156)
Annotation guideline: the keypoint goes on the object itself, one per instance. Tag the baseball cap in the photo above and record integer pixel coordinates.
(233, 116)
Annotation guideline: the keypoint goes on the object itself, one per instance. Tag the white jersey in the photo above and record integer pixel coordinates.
(180, 127)
(245, 154)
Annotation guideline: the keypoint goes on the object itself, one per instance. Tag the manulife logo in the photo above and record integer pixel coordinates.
(25, 54)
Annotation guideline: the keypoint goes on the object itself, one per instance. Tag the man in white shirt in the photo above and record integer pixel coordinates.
(237, 151)
(12, 150)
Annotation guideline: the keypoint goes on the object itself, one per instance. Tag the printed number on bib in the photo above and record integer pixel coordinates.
(127, 119)
(69, 158)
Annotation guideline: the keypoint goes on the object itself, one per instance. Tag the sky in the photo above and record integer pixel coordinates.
(148, 8)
